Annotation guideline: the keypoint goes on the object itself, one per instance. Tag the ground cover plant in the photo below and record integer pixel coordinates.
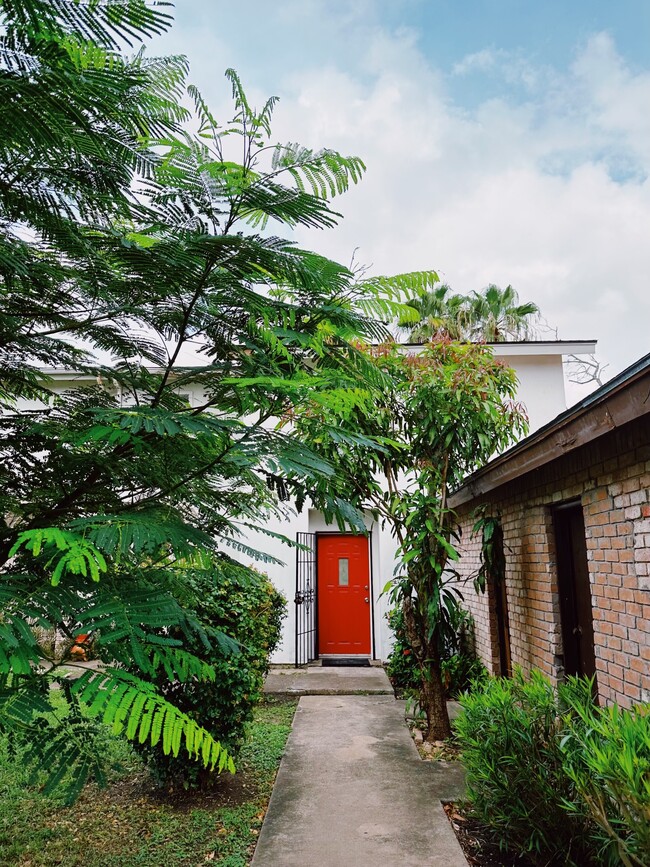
(131, 823)
(554, 778)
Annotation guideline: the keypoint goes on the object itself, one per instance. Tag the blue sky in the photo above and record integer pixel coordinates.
(506, 141)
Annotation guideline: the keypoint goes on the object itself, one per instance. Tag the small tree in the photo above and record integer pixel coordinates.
(444, 411)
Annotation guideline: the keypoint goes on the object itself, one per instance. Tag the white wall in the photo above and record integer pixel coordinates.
(541, 387)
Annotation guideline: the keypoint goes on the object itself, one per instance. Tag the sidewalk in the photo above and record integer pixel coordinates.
(352, 789)
(315, 680)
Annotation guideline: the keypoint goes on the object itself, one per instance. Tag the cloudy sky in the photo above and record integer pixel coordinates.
(506, 141)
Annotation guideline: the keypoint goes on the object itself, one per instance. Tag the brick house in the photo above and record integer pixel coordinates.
(574, 500)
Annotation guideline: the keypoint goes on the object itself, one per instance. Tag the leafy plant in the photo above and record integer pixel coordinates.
(242, 603)
(460, 665)
(554, 776)
(606, 753)
(509, 733)
(492, 315)
(493, 560)
(460, 672)
(401, 664)
(442, 412)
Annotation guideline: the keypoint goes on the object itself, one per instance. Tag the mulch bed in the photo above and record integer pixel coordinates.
(475, 841)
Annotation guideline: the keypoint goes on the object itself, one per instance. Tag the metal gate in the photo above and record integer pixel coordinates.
(305, 598)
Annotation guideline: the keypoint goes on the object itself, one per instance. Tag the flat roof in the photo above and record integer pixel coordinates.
(502, 348)
(622, 399)
(509, 348)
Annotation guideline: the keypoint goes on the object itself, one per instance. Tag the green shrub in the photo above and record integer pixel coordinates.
(554, 776)
(401, 664)
(242, 603)
(459, 662)
(607, 757)
(509, 737)
(460, 671)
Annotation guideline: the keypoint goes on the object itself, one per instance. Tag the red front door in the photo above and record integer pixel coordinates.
(343, 595)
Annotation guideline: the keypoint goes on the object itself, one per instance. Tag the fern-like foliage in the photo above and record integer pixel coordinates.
(63, 551)
(128, 240)
(61, 743)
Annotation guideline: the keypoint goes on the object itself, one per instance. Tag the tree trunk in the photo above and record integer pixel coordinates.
(432, 698)
(432, 692)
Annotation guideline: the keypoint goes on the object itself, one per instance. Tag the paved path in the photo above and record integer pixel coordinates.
(352, 791)
(316, 680)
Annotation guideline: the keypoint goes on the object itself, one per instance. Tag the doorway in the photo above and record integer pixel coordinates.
(503, 627)
(344, 595)
(576, 613)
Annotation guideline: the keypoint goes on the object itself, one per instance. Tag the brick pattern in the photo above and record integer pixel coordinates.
(611, 477)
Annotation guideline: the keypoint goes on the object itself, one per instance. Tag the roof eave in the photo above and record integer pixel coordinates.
(623, 399)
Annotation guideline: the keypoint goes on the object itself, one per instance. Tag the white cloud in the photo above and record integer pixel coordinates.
(470, 194)
(478, 61)
(546, 190)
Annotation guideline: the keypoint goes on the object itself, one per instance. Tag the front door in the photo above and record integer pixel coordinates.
(343, 595)
(574, 591)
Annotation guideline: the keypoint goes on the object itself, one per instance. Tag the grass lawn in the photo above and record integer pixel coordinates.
(130, 824)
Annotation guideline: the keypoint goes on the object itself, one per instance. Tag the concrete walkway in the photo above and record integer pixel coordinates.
(352, 790)
(317, 680)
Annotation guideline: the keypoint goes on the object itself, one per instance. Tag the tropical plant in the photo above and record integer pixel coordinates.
(492, 315)
(445, 411)
(460, 666)
(129, 244)
(496, 315)
(441, 314)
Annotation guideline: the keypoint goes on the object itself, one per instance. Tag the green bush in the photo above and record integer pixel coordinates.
(607, 757)
(461, 671)
(508, 734)
(401, 665)
(459, 662)
(242, 603)
(555, 777)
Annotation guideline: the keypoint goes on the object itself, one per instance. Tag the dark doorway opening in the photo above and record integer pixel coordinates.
(576, 613)
(503, 627)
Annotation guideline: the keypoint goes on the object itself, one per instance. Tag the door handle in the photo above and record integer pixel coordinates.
(578, 631)
(366, 599)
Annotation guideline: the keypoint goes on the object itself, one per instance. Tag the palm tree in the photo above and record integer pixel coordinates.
(496, 315)
(441, 314)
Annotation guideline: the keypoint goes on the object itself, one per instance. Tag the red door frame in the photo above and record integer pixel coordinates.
(369, 537)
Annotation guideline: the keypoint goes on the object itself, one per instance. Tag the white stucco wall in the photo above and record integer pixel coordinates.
(541, 386)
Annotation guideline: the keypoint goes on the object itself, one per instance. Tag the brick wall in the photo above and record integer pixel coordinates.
(611, 477)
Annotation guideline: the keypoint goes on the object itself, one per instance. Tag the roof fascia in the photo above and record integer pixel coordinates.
(623, 400)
